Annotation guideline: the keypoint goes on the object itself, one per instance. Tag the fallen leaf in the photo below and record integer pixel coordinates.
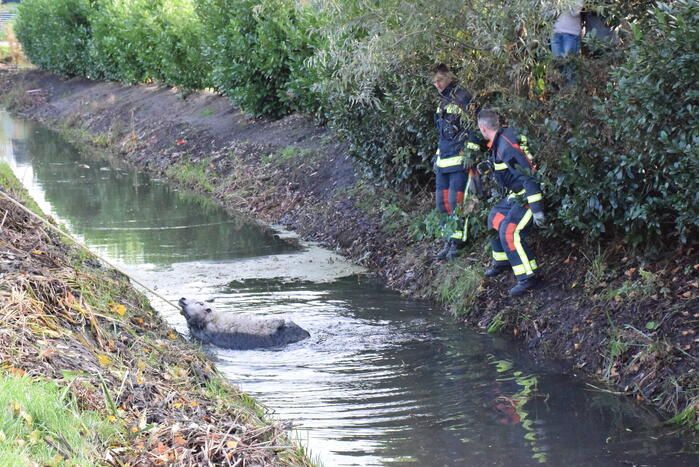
(104, 361)
(118, 309)
(27, 418)
(34, 437)
(17, 371)
(231, 444)
(630, 271)
(687, 294)
(160, 449)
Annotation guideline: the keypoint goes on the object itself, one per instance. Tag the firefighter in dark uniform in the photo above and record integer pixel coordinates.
(512, 168)
(455, 158)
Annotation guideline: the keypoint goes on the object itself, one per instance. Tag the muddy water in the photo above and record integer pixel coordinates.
(383, 380)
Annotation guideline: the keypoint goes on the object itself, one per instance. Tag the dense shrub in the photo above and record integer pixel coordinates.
(180, 47)
(258, 50)
(131, 41)
(55, 34)
(140, 40)
(635, 171)
(123, 40)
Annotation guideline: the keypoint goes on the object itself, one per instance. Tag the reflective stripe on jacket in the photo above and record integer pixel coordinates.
(451, 121)
(514, 169)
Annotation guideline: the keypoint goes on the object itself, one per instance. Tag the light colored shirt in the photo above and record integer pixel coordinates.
(569, 21)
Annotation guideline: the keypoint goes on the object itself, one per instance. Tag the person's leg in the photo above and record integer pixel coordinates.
(513, 231)
(457, 186)
(500, 262)
(442, 193)
(570, 44)
(442, 204)
(557, 44)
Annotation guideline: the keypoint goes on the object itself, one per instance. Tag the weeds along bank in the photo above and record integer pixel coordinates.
(616, 149)
(90, 374)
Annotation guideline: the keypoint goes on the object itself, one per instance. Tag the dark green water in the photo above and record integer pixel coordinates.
(383, 380)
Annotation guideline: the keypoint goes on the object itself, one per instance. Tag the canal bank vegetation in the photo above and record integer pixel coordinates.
(90, 374)
(616, 149)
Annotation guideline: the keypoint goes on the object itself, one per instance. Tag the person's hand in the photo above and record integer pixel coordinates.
(469, 159)
(484, 167)
(539, 219)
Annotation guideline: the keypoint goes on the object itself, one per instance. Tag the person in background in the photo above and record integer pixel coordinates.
(455, 158)
(512, 168)
(566, 37)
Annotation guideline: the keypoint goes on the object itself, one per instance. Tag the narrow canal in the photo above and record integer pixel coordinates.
(383, 380)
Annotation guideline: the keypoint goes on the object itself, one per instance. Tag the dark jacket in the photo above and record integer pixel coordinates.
(451, 119)
(514, 170)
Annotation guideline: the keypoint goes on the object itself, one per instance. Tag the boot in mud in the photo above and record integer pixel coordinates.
(524, 285)
(454, 248)
(442, 254)
(496, 269)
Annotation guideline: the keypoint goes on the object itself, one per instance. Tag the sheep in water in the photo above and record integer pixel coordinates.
(237, 332)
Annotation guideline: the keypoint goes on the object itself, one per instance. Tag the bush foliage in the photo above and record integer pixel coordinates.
(258, 49)
(617, 150)
(56, 34)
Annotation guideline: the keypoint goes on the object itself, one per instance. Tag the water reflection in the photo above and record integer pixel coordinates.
(383, 380)
(122, 213)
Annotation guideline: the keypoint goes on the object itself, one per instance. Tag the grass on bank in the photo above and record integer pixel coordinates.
(40, 422)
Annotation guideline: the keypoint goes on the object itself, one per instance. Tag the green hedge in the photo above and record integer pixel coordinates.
(56, 34)
(258, 50)
(634, 172)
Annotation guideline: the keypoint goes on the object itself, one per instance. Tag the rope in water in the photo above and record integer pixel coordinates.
(86, 248)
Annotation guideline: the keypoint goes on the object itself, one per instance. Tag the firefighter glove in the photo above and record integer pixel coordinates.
(469, 159)
(539, 219)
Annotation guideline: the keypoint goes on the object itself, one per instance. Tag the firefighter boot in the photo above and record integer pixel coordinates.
(496, 269)
(524, 285)
(454, 248)
(442, 254)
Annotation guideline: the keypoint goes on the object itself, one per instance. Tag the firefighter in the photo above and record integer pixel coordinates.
(511, 165)
(454, 165)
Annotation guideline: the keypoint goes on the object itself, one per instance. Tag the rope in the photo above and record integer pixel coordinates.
(85, 247)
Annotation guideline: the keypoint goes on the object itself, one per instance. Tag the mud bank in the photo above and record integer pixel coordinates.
(604, 311)
(70, 323)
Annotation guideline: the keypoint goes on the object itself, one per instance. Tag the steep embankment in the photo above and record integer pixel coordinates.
(610, 314)
(90, 374)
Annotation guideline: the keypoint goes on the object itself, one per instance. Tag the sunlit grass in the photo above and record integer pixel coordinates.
(40, 423)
